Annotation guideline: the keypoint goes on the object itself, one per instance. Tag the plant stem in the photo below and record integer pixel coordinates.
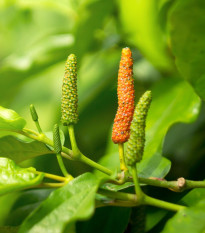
(138, 190)
(62, 166)
(50, 185)
(67, 153)
(74, 146)
(51, 176)
(131, 200)
(38, 127)
(123, 166)
(178, 186)
(95, 165)
(118, 195)
(162, 204)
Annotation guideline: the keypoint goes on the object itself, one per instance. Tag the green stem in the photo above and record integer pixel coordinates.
(51, 176)
(162, 204)
(74, 146)
(123, 166)
(138, 190)
(62, 166)
(50, 185)
(38, 127)
(118, 195)
(178, 186)
(67, 153)
(95, 165)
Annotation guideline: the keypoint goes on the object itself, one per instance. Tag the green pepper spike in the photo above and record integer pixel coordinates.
(69, 103)
(136, 142)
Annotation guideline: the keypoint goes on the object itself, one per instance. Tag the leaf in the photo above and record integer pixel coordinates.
(74, 201)
(110, 217)
(10, 120)
(86, 26)
(173, 101)
(18, 150)
(188, 220)
(27, 202)
(187, 35)
(140, 20)
(13, 178)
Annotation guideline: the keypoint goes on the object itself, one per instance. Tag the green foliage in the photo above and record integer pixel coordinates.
(36, 38)
(189, 220)
(187, 41)
(145, 32)
(184, 106)
(10, 120)
(18, 150)
(13, 178)
(74, 201)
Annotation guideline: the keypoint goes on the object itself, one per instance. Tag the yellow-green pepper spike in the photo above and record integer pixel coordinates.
(136, 142)
(69, 103)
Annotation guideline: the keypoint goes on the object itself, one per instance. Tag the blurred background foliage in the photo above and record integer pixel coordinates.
(36, 38)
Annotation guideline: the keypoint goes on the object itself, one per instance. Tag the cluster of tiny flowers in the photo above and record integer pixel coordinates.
(69, 102)
(125, 91)
(136, 142)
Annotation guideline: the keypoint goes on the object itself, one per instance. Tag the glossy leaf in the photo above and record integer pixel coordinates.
(13, 177)
(18, 150)
(187, 41)
(140, 20)
(74, 201)
(27, 202)
(191, 220)
(10, 120)
(173, 101)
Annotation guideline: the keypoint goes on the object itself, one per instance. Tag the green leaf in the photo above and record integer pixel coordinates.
(188, 220)
(27, 202)
(173, 101)
(140, 20)
(18, 150)
(13, 177)
(187, 41)
(10, 120)
(74, 201)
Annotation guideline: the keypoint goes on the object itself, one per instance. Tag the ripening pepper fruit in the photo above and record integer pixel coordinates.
(125, 92)
(69, 102)
(136, 142)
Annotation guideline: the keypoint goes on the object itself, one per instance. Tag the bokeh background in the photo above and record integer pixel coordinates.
(36, 36)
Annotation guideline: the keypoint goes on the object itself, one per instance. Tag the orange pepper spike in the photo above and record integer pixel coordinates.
(125, 92)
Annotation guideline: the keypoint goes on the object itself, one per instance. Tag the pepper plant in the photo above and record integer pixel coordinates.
(71, 199)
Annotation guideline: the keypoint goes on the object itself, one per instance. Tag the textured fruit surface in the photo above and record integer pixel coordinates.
(136, 142)
(69, 103)
(125, 92)
(56, 139)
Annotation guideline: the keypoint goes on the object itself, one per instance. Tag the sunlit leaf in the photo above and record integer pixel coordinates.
(13, 177)
(74, 201)
(10, 120)
(140, 20)
(187, 41)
